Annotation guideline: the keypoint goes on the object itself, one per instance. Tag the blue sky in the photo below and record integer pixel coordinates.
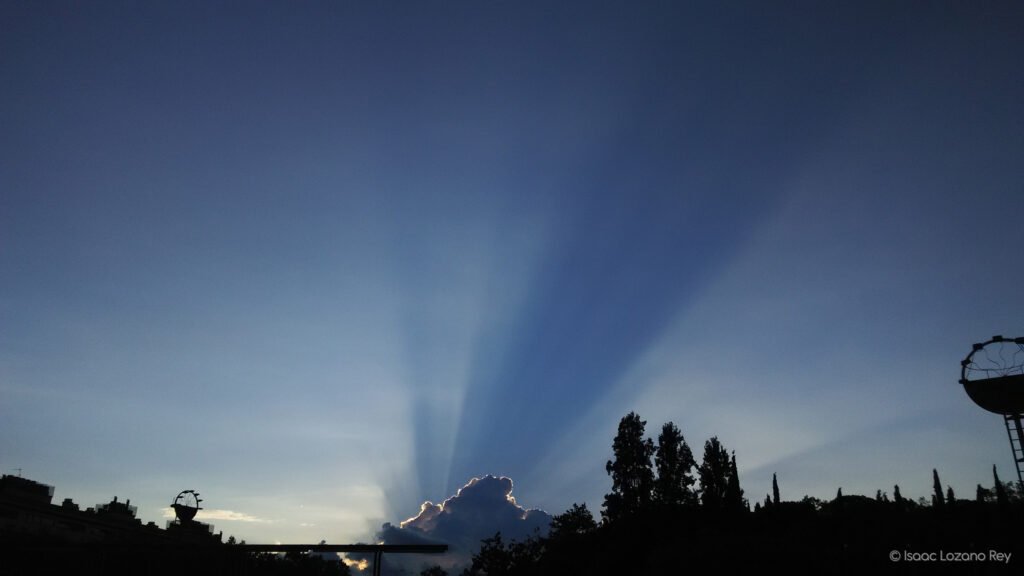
(325, 261)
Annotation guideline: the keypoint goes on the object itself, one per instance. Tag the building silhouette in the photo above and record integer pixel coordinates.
(28, 515)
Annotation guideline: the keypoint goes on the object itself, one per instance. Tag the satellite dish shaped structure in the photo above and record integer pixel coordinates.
(993, 377)
(186, 505)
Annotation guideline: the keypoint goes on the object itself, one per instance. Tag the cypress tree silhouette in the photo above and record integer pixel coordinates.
(632, 476)
(1001, 497)
(938, 500)
(775, 489)
(675, 463)
(896, 496)
(734, 499)
(714, 474)
(839, 493)
(950, 497)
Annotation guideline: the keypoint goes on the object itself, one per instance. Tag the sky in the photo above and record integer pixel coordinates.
(325, 261)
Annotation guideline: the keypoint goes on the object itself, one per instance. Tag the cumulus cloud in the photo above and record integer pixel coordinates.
(477, 510)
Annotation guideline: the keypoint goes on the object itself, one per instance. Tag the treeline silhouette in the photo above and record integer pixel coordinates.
(28, 556)
(667, 514)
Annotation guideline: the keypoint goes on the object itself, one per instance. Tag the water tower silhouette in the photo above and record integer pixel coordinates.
(993, 376)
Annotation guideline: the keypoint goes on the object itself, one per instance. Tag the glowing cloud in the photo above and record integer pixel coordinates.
(477, 510)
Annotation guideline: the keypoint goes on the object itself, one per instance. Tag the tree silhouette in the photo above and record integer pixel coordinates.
(674, 461)
(775, 489)
(714, 472)
(938, 500)
(632, 477)
(1001, 497)
(896, 496)
(493, 558)
(574, 522)
(525, 555)
(734, 499)
(433, 571)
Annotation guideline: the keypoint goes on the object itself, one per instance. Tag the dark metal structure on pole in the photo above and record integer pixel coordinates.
(993, 376)
(186, 505)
